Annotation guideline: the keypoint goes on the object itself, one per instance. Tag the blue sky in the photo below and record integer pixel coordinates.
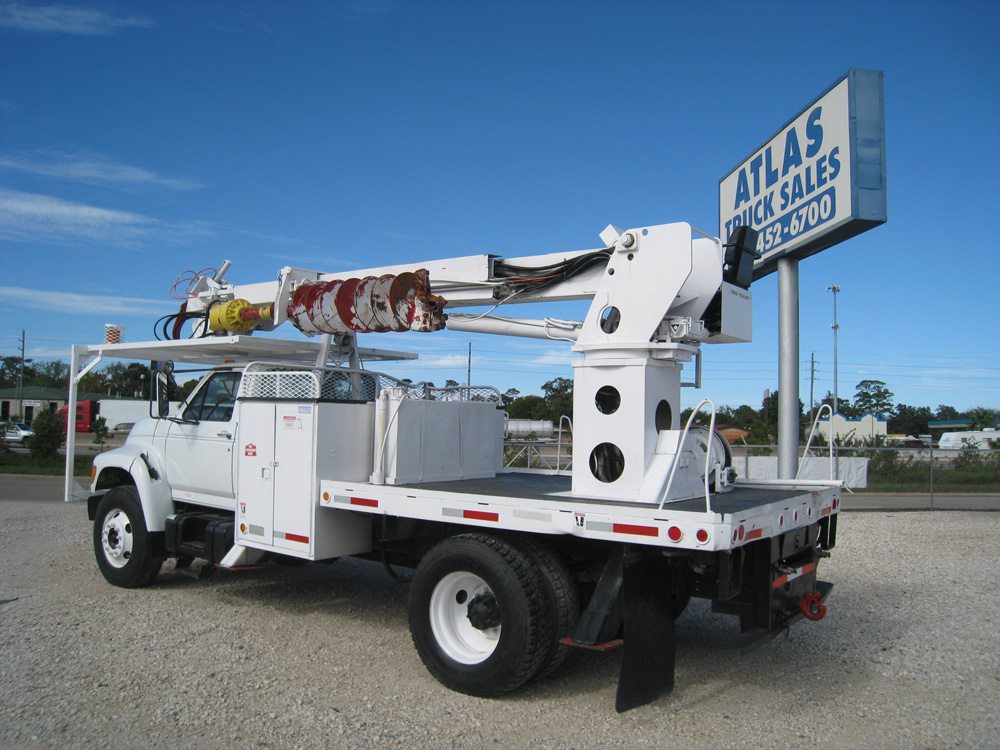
(140, 140)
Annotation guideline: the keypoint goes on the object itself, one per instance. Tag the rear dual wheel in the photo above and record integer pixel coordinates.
(480, 616)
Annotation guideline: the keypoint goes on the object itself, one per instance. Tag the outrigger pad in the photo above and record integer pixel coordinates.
(647, 668)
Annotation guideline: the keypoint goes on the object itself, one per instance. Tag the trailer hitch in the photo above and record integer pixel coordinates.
(811, 605)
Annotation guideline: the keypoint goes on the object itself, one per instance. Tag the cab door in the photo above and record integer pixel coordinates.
(199, 447)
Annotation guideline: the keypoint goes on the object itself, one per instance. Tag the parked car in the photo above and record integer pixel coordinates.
(123, 427)
(16, 432)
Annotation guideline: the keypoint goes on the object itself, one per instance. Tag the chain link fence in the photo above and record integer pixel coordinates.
(890, 470)
(538, 454)
(924, 471)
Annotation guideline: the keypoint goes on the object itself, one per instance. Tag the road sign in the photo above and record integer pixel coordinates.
(818, 180)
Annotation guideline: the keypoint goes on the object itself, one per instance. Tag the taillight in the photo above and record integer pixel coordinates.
(701, 535)
(674, 534)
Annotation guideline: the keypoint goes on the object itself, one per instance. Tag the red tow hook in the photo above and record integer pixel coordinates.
(812, 606)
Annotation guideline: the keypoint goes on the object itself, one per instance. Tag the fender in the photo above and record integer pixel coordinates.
(145, 467)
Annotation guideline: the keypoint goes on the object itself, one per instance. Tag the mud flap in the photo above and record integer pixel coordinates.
(647, 667)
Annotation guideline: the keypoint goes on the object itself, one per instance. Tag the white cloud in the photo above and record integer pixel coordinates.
(91, 169)
(82, 304)
(66, 19)
(29, 217)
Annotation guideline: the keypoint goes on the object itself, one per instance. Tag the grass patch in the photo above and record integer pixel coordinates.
(23, 463)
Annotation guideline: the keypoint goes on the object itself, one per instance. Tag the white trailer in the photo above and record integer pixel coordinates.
(295, 449)
(117, 411)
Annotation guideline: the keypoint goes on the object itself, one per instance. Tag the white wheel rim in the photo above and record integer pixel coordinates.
(117, 539)
(449, 610)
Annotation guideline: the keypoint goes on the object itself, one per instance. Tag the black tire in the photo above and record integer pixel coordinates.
(682, 589)
(563, 602)
(122, 544)
(478, 616)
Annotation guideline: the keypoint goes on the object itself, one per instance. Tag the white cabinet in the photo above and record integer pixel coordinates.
(283, 449)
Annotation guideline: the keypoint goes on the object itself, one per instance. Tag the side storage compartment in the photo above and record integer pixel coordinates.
(283, 449)
(434, 441)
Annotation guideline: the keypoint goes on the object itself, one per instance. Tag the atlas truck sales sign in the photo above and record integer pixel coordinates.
(816, 182)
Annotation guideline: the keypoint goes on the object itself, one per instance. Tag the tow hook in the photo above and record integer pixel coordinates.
(812, 606)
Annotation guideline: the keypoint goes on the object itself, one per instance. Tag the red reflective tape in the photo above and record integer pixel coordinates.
(805, 569)
(626, 528)
(296, 538)
(826, 511)
(480, 515)
(364, 501)
(755, 534)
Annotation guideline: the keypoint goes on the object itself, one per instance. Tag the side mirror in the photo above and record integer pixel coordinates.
(162, 401)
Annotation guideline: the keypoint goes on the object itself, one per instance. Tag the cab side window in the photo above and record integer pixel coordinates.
(215, 400)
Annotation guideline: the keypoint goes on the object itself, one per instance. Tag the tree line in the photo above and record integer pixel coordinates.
(871, 396)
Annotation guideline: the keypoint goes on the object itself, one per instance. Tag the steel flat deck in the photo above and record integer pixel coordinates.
(555, 488)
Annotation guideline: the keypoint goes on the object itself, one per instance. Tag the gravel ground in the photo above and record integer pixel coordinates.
(320, 656)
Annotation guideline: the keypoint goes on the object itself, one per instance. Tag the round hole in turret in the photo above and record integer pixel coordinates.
(664, 417)
(607, 462)
(608, 399)
(610, 318)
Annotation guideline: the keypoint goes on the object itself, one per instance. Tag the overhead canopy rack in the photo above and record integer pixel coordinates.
(218, 350)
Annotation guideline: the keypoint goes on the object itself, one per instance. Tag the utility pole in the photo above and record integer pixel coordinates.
(812, 386)
(834, 288)
(20, 381)
(468, 374)
(836, 407)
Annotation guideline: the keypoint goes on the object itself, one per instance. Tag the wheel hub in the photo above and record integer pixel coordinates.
(484, 611)
(465, 617)
(117, 539)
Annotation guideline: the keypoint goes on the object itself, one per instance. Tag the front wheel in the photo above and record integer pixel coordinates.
(478, 616)
(122, 544)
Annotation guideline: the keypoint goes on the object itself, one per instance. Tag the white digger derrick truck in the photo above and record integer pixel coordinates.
(294, 448)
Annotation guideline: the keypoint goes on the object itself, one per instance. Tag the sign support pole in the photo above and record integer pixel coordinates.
(788, 367)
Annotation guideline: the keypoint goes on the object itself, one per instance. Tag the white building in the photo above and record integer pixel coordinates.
(866, 427)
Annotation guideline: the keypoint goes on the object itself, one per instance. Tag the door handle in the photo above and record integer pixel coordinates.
(224, 434)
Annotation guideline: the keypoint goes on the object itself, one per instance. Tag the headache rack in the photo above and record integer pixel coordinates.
(283, 382)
